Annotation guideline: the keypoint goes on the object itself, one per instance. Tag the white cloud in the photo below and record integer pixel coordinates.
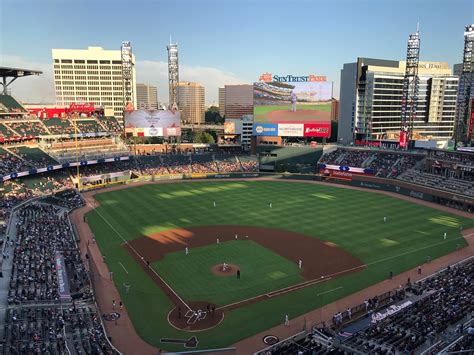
(31, 89)
(40, 89)
(156, 73)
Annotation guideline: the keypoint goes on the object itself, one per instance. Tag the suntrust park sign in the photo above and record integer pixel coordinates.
(268, 77)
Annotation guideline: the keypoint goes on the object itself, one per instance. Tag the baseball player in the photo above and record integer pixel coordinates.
(300, 263)
(445, 235)
(293, 101)
(385, 219)
(187, 250)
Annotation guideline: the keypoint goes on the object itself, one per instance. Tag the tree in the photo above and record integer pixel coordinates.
(212, 115)
(203, 137)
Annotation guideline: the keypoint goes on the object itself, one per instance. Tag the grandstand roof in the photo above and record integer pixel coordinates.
(14, 73)
(7, 72)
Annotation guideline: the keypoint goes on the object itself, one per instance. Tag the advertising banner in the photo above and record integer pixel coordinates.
(265, 129)
(153, 132)
(63, 283)
(403, 139)
(320, 129)
(229, 127)
(290, 130)
(153, 123)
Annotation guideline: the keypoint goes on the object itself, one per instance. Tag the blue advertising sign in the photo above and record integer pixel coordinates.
(265, 129)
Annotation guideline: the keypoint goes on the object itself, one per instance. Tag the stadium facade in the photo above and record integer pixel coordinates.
(91, 75)
(238, 100)
(191, 102)
(371, 96)
(147, 97)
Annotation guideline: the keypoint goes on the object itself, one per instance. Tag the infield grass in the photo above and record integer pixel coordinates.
(261, 269)
(351, 219)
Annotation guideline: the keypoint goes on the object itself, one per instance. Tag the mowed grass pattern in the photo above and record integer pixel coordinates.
(262, 271)
(350, 219)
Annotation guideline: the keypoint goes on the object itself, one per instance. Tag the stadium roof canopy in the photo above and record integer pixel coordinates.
(15, 73)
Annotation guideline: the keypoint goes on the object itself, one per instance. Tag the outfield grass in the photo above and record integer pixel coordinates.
(261, 269)
(349, 218)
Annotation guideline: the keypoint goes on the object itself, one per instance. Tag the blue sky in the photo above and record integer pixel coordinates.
(230, 41)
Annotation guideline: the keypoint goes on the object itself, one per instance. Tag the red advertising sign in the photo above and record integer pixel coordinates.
(336, 174)
(403, 139)
(321, 129)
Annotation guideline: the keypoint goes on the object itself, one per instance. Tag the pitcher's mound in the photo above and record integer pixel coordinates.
(230, 269)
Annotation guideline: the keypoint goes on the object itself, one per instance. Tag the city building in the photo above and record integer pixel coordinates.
(191, 102)
(465, 98)
(90, 75)
(241, 128)
(371, 97)
(238, 100)
(334, 110)
(457, 69)
(147, 97)
(222, 102)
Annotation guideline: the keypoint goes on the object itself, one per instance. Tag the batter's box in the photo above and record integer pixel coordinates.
(195, 316)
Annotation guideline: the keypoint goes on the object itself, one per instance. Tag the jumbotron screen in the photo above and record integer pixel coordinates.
(153, 123)
(299, 102)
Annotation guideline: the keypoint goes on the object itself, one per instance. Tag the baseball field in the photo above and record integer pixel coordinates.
(284, 114)
(262, 229)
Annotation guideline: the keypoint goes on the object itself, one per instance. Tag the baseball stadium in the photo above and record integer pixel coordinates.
(116, 243)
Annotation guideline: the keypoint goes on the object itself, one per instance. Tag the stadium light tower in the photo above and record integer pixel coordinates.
(410, 88)
(127, 75)
(464, 121)
(173, 74)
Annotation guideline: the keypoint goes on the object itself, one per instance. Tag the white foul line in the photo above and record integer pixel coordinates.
(334, 289)
(137, 253)
(123, 267)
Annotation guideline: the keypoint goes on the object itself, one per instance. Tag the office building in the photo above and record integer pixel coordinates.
(465, 98)
(371, 96)
(334, 110)
(90, 75)
(238, 100)
(191, 102)
(147, 97)
(457, 69)
(222, 102)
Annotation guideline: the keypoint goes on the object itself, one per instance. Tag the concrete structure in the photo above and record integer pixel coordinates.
(191, 102)
(222, 102)
(238, 100)
(371, 95)
(147, 97)
(90, 75)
